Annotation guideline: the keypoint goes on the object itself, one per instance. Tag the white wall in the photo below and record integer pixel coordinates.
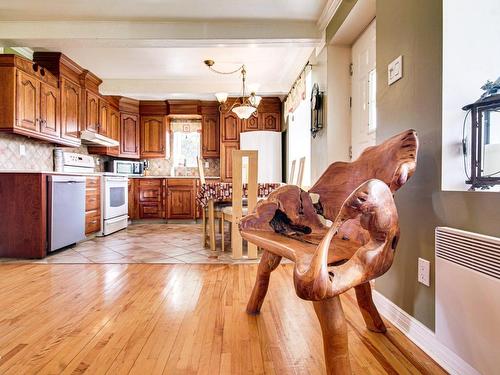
(471, 55)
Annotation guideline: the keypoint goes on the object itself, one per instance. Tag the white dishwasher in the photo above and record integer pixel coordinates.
(66, 210)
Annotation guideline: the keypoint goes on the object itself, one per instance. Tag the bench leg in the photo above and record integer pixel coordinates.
(368, 309)
(268, 264)
(334, 330)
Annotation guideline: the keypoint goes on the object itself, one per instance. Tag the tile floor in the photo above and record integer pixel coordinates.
(143, 243)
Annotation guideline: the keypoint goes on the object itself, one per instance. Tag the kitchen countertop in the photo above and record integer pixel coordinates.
(186, 177)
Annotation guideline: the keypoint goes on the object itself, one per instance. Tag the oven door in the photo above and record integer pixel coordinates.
(115, 201)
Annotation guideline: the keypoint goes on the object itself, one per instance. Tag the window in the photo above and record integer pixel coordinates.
(186, 138)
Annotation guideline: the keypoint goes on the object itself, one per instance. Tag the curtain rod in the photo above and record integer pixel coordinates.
(296, 79)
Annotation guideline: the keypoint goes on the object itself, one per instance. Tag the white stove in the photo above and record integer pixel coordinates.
(114, 203)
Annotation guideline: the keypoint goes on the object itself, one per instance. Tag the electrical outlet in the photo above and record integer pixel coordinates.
(207, 164)
(424, 271)
(22, 150)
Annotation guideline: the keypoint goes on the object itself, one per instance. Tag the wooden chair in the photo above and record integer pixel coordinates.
(211, 212)
(292, 172)
(300, 172)
(236, 211)
(358, 247)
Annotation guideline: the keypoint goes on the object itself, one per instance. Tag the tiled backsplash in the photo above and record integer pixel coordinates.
(39, 156)
(163, 167)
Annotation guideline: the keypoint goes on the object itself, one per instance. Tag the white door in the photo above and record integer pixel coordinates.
(363, 87)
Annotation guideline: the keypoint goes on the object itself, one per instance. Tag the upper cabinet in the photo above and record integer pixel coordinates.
(250, 124)
(70, 110)
(28, 102)
(92, 112)
(30, 98)
(129, 142)
(269, 121)
(153, 136)
(103, 117)
(50, 110)
(210, 136)
(230, 127)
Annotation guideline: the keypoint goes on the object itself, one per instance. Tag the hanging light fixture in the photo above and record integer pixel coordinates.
(244, 106)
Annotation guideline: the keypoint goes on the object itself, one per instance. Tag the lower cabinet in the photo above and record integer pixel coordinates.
(181, 194)
(149, 198)
(159, 198)
(92, 205)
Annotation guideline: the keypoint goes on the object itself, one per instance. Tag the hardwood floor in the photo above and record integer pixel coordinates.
(174, 319)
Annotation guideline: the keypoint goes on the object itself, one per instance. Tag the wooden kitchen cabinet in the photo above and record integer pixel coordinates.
(227, 160)
(250, 124)
(70, 110)
(92, 112)
(129, 135)
(210, 136)
(49, 110)
(181, 198)
(132, 213)
(230, 127)
(103, 124)
(153, 136)
(92, 205)
(149, 192)
(270, 121)
(28, 102)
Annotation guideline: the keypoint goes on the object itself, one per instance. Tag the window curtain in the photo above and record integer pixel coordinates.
(297, 94)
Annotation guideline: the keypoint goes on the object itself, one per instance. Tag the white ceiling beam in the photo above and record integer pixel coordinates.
(327, 14)
(160, 34)
(161, 87)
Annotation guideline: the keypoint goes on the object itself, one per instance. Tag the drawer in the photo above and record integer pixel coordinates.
(92, 202)
(150, 211)
(92, 221)
(150, 182)
(179, 182)
(150, 194)
(93, 182)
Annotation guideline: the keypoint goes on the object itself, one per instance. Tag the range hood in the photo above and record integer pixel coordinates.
(94, 139)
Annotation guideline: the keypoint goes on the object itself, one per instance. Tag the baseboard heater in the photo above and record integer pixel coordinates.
(468, 296)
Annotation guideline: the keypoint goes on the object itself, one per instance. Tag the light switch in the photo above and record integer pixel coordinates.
(395, 70)
(22, 150)
(207, 164)
(424, 271)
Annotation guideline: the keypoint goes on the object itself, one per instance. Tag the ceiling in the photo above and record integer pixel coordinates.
(154, 49)
(134, 10)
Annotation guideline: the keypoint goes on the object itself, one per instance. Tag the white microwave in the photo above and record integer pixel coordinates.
(126, 167)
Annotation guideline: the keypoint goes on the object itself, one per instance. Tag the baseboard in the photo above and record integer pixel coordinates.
(422, 336)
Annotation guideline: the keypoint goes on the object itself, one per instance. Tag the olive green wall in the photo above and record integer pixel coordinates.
(413, 28)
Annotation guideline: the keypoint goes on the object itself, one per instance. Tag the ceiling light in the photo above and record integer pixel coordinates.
(221, 97)
(244, 106)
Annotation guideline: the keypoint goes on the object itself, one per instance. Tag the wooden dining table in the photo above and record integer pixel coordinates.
(217, 193)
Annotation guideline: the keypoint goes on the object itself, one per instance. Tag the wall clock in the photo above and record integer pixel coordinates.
(316, 110)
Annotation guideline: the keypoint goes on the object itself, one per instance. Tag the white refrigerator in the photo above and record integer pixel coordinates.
(268, 145)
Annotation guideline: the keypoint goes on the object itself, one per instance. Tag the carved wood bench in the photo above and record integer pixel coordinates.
(357, 247)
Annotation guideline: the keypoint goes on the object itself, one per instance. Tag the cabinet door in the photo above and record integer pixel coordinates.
(230, 127)
(129, 136)
(49, 110)
(92, 112)
(131, 199)
(70, 110)
(103, 124)
(270, 121)
(114, 130)
(152, 136)
(28, 98)
(251, 124)
(227, 160)
(210, 136)
(180, 203)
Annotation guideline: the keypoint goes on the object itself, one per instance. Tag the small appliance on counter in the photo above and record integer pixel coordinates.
(126, 167)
